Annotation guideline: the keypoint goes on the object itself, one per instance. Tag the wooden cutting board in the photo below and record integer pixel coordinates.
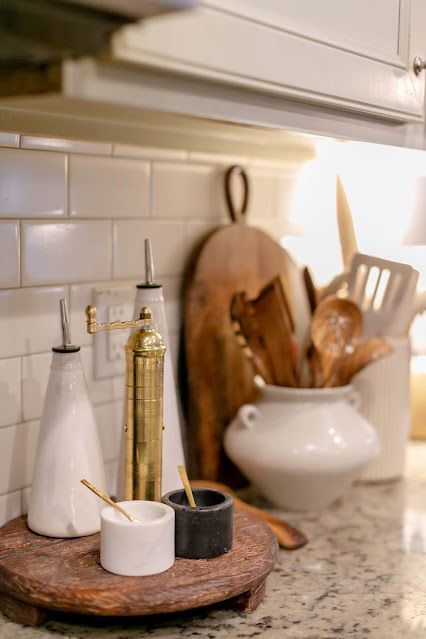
(41, 574)
(219, 378)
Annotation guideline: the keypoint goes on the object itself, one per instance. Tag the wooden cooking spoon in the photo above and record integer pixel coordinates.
(335, 324)
(287, 536)
(365, 352)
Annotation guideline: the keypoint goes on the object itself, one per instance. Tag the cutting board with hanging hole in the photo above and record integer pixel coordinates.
(236, 257)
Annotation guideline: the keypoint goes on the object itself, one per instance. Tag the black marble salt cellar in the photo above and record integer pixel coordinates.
(205, 531)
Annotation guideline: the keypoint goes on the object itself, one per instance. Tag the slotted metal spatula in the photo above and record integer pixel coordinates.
(384, 290)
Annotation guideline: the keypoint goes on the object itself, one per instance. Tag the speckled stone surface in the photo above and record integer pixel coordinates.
(362, 575)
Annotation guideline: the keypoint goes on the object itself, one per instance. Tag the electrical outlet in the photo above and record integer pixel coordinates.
(117, 339)
(112, 305)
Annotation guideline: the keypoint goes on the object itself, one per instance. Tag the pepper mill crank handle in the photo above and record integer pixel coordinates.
(94, 327)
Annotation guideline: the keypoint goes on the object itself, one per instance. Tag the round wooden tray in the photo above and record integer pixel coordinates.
(38, 574)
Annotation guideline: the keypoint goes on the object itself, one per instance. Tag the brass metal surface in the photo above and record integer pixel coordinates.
(187, 486)
(108, 500)
(143, 402)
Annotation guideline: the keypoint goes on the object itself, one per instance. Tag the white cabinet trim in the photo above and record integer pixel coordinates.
(341, 79)
(329, 39)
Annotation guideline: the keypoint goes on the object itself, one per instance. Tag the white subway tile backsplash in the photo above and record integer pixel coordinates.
(32, 183)
(196, 232)
(9, 252)
(81, 295)
(10, 506)
(35, 375)
(29, 320)
(65, 251)
(168, 245)
(100, 390)
(187, 190)
(108, 187)
(109, 418)
(173, 196)
(18, 446)
(148, 153)
(10, 391)
(67, 146)
(9, 139)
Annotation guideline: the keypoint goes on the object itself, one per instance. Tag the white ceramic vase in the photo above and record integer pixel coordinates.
(68, 450)
(301, 448)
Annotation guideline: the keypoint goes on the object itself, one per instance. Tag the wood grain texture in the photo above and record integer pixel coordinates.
(276, 325)
(249, 601)
(65, 574)
(234, 258)
(22, 612)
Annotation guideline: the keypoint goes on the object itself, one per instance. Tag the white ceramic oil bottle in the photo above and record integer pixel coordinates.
(68, 450)
(150, 294)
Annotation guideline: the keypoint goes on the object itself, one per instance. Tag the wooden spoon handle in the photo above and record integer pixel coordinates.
(287, 535)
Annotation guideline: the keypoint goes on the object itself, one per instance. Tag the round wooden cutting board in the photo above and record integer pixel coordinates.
(38, 574)
(236, 257)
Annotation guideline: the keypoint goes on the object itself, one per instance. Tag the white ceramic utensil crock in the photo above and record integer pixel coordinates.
(301, 448)
(68, 449)
(384, 389)
(145, 547)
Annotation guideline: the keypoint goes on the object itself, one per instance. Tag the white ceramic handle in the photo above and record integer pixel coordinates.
(355, 399)
(247, 415)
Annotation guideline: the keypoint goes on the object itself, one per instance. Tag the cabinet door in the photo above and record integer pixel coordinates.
(354, 54)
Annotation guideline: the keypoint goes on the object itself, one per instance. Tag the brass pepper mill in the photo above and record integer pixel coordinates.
(144, 403)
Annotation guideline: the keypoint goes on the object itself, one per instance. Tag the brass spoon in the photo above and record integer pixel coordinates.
(109, 501)
(365, 352)
(287, 535)
(335, 324)
(186, 485)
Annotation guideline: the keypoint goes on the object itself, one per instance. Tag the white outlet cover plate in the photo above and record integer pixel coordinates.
(117, 301)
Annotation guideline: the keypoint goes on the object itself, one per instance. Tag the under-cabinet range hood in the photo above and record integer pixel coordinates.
(37, 33)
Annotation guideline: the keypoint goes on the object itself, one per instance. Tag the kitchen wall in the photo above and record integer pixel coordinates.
(73, 216)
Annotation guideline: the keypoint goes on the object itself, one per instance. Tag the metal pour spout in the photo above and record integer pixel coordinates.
(65, 323)
(149, 263)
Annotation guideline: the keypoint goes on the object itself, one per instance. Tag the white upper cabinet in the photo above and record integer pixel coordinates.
(355, 55)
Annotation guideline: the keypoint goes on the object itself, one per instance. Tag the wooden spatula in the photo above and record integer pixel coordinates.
(246, 332)
(276, 327)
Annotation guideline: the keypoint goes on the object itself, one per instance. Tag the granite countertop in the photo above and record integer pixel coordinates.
(363, 574)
